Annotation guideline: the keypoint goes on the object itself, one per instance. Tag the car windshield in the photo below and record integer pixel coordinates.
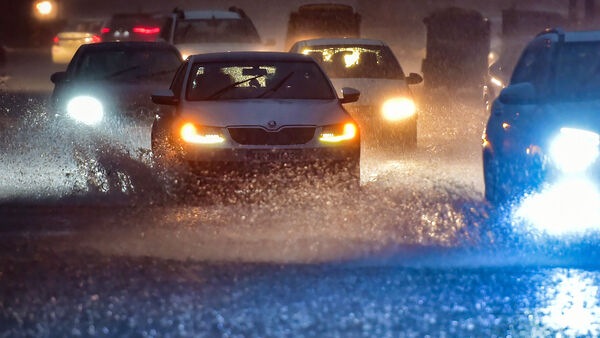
(215, 30)
(258, 79)
(578, 71)
(342, 61)
(124, 65)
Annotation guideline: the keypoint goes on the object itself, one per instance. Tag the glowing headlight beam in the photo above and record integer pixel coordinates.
(85, 109)
(349, 132)
(191, 134)
(574, 150)
(397, 109)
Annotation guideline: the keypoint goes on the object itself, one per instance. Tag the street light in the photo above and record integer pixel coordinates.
(45, 9)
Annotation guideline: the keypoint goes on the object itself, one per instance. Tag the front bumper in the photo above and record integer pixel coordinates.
(257, 155)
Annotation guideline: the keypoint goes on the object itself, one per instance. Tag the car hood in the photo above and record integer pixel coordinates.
(265, 112)
(372, 91)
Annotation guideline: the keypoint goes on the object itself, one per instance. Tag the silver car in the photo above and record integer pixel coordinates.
(267, 110)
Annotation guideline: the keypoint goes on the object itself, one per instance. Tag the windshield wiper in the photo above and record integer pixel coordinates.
(275, 87)
(224, 89)
(122, 71)
(159, 73)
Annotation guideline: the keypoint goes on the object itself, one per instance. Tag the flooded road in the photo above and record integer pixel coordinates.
(94, 242)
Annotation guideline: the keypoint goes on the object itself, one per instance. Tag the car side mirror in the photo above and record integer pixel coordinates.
(349, 95)
(518, 93)
(414, 78)
(165, 97)
(58, 77)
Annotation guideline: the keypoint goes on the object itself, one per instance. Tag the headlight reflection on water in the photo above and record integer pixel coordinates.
(572, 206)
(571, 304)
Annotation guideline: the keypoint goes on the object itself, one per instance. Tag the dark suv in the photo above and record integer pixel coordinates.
(543, 129)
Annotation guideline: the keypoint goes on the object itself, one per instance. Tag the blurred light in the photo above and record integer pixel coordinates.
(55, 40)
(339, 133)
(85, 109)
(571, 206)
(45, 9)
(398, 109)
(572, 304)
(93, 39)
(146, 30)
(351, 59)
(105, 30)
(497, 82)
(191, 134)
(574, 150)
(505, 125)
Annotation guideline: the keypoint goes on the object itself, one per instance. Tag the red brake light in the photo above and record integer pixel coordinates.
(96, 38)
(146, 30)
(104, 30)
(55, 40)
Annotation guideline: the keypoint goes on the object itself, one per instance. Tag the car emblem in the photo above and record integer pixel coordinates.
(272, 124)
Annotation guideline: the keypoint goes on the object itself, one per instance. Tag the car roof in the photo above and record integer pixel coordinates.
(117, 45)
(211, 14)
(572, 36)
(340, 41)
(248, 55)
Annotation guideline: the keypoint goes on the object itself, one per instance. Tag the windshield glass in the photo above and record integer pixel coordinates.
(356, 61)
(215, 30)
(127, 64)
(258, 79)
(578, 70)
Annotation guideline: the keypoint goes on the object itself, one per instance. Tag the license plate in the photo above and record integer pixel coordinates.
(271, 156)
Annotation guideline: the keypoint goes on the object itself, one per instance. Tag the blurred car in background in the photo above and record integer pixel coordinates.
(322, 20)
(110, 81)
(132, 27)
(386, 111)
(543, 129)
(206, 31)
(271, 110)
(75, 33)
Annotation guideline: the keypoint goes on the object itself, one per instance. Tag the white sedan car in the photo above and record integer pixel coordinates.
(237, 111)
(386, 110)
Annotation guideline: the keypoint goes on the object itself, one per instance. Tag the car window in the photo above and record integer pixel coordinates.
(356, 61)
(578, 70)
(177, 84)
(533, 65)
(128, 64)
(252, 79)
(215, 30)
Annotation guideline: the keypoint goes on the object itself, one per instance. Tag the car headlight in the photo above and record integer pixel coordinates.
(85, 109)
(397, 109)
(339, 132)
(191, 133)
(574, 150)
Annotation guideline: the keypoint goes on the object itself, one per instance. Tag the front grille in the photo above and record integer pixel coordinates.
(261, 136)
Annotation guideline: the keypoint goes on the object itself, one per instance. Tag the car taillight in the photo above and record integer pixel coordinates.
(96, 38)
(55, 40)
(146, 30)
(104, 30)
